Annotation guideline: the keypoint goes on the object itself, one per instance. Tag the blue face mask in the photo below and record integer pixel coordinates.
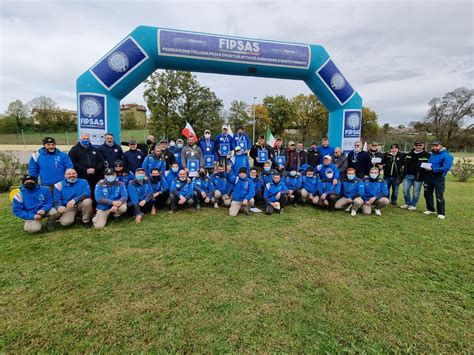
(174, 170)
(293, 173)
(374, 176)
(85, 142)
(110, 178)
(329, 176)
(351, 177)
(72, 181)
(179, 145)
(140, 177)
(267, 168)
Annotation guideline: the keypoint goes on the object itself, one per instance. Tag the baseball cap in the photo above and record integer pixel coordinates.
(29, 177)
(49, 140)
(109, 171)
(132, 141)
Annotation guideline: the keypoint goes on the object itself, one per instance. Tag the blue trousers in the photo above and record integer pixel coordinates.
(392, 184)
(410, 180)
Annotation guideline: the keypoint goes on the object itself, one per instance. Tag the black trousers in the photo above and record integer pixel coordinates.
(174, 202)
(296, 196)
(136, 210)
(331, 198)
(436, 184)
(283, 202)
(161, 199)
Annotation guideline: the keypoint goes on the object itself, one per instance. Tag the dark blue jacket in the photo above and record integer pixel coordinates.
(205, 145)
(243, 141)
(64, 192)
(360, 161)
(375, 188)
(310, 184)
(325, 186)
(182, 188)
(126, 177)
(105, 193)
(239, 161)
(138, 192)
(242, 189)
(49, 167)
(152, 162)
(272, 189)
(160, 185)
(267, 176)
(111, 154)
(133, 159)
(170, 176)
(26, 203)
(220, 140)
(322, 170)
(353, 188)
(293, 182)
(203, 185)
(324, 151)
(441, 162)
(177, 156)
(258, 182)
(221, 182)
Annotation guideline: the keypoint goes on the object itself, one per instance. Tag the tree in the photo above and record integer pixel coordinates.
(280, 111)
(309, 116)
(18, 111)
(239, 114)
(370, 127)
(176, 97)
(129, 120)
(9, 125)
(446, 116)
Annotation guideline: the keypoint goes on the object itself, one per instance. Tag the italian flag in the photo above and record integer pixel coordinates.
(270, 139)
(188, 131)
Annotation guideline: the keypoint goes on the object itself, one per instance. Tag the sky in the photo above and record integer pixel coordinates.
(397, 54)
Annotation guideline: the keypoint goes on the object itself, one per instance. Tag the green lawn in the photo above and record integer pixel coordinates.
(307, 281)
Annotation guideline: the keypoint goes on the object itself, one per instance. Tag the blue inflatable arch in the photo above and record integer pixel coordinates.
(146, 49)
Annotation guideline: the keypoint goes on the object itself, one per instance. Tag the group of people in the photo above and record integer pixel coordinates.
(93, 182)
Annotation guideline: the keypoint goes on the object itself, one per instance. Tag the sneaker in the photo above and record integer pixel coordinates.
(295, 205)
(429, 212)
(198, 206)
(216, 205)
(378, 212)
(348, 208)
(50, 226)
(87, 225)
(411, 208)
(441, 216)
(404, 207)
(171, 211)
(246, 211)
(353, 213)
(281, 211)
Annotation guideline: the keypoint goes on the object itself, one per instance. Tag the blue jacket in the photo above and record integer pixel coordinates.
(138, 192)
(160, 185)
(204, 147)
(239, 161)
(243, 141)
(49, 167)
(26, 203)
(310, 184)
(272, 189)
(152, 162)
(105, 193)
(353, 188)
(293, 182)
(170, 176)
(126, 177)
(177, 156)
(133, 159)
(242, 189)
(325, 186)
(203, 185)
(182, 188)
(324, 151)
(441, 162)
(375, 188)
(64, 192)
(220, 140)
(258, 182)
(322, 170)
(111, 154)
(221, 183)
(267, 177)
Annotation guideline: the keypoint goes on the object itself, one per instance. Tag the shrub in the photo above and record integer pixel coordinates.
(463, 169)
(11, 170)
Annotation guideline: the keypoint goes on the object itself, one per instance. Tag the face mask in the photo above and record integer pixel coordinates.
(183, 180)
(149, 142)
(30, 185)
(85, 142)
(329, 176)
(179, 145)
(293, 173)
(174, 170)
(140, 177)
(351, 177)
(220, 173)
(155, 178)
(239, 152)
(374, 176)
(110, 178)
(207, 136)
(72, 181)
(267, 169)
(172, 144)
(202, 174)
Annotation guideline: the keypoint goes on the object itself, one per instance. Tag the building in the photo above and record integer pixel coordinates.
(36, 113)
(138, 111)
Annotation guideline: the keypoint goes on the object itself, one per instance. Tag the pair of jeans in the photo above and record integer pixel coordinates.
(410, 180)
(393, 184)
(436, 184)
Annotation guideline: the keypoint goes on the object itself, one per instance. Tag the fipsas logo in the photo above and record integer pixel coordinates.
(239, 45)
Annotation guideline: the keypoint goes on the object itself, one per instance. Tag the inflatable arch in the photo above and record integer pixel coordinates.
(146, 49)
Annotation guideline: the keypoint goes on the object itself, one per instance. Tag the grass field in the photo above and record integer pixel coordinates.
(306, 281)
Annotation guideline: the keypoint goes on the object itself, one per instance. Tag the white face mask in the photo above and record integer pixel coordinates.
(172, 144)
(207, 136)
(374, 176)
(351, 177)
(329, 176)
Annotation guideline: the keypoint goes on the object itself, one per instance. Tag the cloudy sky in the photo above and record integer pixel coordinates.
(397, 55)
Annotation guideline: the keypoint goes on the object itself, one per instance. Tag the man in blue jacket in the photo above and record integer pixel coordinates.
(111, 196)
(133, 158)
(375, 193)
(32, 203)
(241, 140)
(222, 186)
(328, 190)
(154, 160)
(73, 196)
(239, 160)
(161, 191)
(225, 146)
(243, 190)
(325, 149)
(140, 194)
(352, 191)
(110, 150)
(327, 164)
(275, 195)
(209, 149)
(172, 174)
(309, 186)
(293, 182)
(441, 162)
(182, 192)
(203, 189)
(258, 182)
(49, 164)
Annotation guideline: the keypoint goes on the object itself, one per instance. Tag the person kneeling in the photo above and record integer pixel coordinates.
(182, 191)
(329, 189)
(111, 196)
(203, 189)
(275, 195)
(73, 196)
(375, 193)
(32, 203)
(161, 191)
(293, 182)
(309, 187)
(140, 193)
(220, 181)
(243, 190)
(352, 193)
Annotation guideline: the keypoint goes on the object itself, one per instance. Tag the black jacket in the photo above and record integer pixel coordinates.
(111, 154)
(393, 164)
(376, 154)
(254, 154)
(85, 158)
(133, 159)
(312, 157)
(413, 162)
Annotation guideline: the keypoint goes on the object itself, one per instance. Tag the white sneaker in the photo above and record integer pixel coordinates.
(216, 205)
(411, 208)
(378, 212)
(428, 212)
(441, 216)
(348, 208)
(404, 207)
(353, 212)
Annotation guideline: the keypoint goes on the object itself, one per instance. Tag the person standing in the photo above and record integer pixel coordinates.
(439, 163)
(262, 152)
(242, 140)
(392, 171)
(312, 155)
(375, 155)
(414, 175)
(340, 161)
(225, 146)
(325, 149)
(295, 157)
(192, 158)
(154, 160)
(133, 158)
(359, 160)
(209, 149)
(111, 151)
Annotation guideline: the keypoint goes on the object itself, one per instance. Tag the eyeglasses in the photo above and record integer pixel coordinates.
(356, 145)
(418, 145)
